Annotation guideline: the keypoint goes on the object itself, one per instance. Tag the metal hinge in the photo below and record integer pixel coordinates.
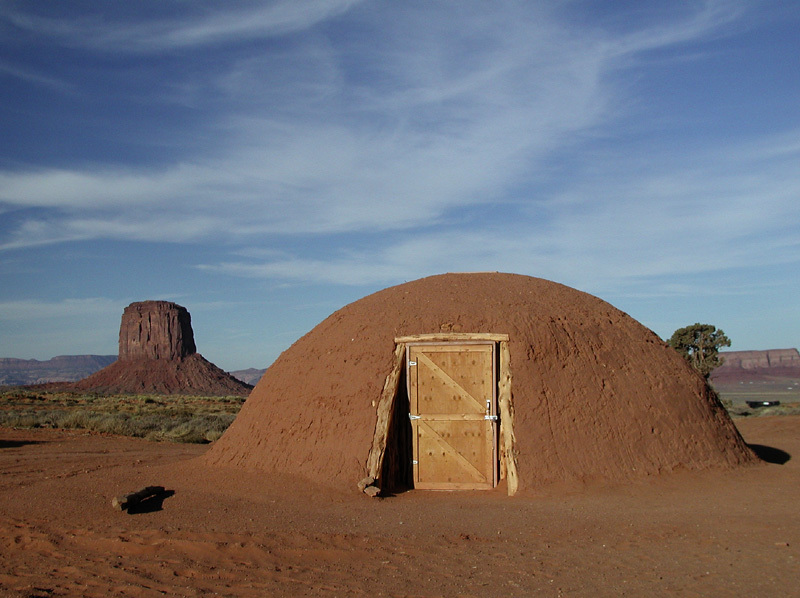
(490, 417)
(414, 462)
(412, 363)
(412, 416)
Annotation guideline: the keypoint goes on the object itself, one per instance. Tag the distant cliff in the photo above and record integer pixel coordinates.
(249, 376)
(752, 366)
(64, 368)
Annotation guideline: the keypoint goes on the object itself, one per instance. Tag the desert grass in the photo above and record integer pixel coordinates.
(735, 397)
(154, 417)
(786, 390)
(198, 419)
(744, 410)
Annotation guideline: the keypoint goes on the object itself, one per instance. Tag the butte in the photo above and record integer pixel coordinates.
(157, 355)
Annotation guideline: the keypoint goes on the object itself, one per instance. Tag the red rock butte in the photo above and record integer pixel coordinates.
(157, 354)
(593, 394)
(156, 330)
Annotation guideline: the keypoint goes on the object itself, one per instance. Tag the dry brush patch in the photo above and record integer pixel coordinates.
(737, 397)
(743, 410)
(194, 419)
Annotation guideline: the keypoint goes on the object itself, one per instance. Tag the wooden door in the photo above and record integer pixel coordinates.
(453, 415)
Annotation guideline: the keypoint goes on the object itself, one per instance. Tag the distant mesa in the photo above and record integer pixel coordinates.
(63, 368)
(249, 376)
(757, 366)
(157, 354)
(772, 358)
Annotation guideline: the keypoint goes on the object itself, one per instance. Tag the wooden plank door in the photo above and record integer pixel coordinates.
(452, 402)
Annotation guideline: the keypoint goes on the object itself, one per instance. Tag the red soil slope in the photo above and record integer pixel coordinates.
(193, 375)
(596, 394)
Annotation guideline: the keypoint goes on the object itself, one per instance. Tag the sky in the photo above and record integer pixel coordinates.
(265, 163)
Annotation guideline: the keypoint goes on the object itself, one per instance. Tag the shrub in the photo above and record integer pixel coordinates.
(178, 419)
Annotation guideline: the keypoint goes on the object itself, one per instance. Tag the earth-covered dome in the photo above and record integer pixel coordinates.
(596, 395)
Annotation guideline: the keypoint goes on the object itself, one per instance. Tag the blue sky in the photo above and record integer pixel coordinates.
(265, 163)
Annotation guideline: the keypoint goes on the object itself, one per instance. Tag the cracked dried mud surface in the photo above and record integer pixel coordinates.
(232, 533)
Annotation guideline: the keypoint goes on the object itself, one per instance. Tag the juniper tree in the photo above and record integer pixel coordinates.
(700, 344)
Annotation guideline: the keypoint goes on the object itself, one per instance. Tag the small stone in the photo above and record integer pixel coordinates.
(367, 481)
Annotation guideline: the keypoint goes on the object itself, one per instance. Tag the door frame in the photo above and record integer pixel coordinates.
(385, 403)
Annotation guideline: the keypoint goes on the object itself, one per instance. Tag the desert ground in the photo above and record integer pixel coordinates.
(233, 533)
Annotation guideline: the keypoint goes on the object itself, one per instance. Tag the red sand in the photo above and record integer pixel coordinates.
(231, 533)
(596, 394)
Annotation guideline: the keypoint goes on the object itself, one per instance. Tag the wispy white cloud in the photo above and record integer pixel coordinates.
(442, 111)
(456, 144)
(708, 19)
(630, 228)
(195, 25)
(96, 189)
(35, 77)
(437, 126)
(20, 311)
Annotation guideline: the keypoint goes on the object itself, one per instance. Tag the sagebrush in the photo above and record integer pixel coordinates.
(155, 417)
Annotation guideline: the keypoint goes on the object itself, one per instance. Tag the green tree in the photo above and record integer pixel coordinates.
(700, 344)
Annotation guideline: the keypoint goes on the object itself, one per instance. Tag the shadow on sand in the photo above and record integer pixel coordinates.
(770, 454)
(151, 504)
(16, 443)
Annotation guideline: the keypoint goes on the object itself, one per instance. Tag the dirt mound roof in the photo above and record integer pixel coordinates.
(157, 354)
(596, 394)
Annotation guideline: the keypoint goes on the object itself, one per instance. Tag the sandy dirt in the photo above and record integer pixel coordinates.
(229, 533)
